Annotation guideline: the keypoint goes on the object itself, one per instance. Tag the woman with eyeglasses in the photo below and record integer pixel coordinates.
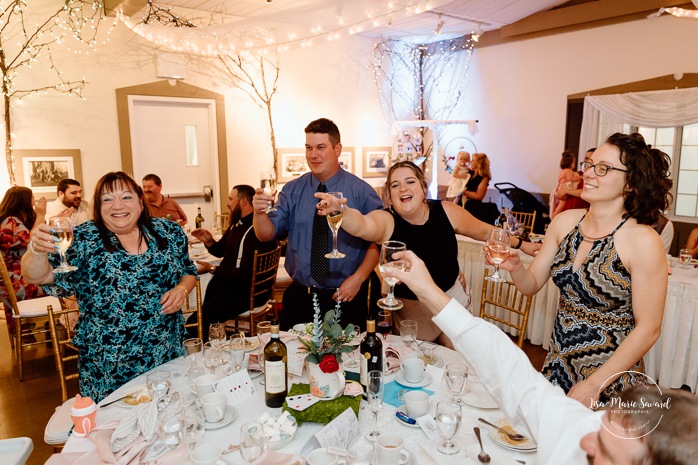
(610, 267)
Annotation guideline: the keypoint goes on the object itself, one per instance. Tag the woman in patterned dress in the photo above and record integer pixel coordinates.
(133, 276)
(610, 268)
(17, 217)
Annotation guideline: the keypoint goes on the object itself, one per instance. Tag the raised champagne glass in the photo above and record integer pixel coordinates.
(388, 249)
(335, 213)
(63, 230)
(498, 250)
(267, 181)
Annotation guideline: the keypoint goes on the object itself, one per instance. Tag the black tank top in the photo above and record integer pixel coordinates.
(434, 242)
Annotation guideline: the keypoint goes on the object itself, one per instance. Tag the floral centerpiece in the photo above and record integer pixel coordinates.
(324, 349)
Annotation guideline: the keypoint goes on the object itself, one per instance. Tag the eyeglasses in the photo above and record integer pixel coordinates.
(600, 169)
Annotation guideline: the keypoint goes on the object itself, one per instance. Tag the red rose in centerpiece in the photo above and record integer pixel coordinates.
(329, 364)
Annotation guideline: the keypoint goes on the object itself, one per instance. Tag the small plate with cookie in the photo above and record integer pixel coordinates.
(138, 396)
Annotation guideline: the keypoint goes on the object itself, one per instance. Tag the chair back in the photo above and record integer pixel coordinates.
(222, 220)
(505, 304)
(525, 219)
(265, 266)
(198, 315)
(63, 351)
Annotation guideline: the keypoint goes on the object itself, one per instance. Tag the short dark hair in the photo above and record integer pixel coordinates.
(647, 180)
(64, 183)
(568, 160)
(153, 177)
(245, 192)
(325, 126)
(109, 183)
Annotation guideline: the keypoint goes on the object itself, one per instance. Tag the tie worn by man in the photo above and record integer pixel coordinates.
(228, 293)
(345, 279)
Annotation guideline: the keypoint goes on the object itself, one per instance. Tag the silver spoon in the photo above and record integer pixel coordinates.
(482, 456)
(513, 437)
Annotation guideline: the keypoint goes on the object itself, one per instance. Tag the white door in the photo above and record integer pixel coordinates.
(175, 138)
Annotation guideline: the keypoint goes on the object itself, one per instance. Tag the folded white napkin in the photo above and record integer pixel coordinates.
(142, 419)
(394, 355)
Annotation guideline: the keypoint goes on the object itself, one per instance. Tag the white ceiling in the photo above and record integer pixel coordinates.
(371, 17)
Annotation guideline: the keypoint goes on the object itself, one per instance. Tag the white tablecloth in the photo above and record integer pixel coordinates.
(387, 422)
(673, 361)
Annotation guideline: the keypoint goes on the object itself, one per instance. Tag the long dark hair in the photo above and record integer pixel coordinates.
(109, 183)
(18, 202)
(648, 185)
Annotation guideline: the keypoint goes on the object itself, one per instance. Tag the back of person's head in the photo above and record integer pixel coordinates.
(245, 192)
(483, 165)
(409, 165)
(568, 160)
(18, 203)
(647, 182)
(153, 177)
(324, 126)
(63, 184)
(674, 439)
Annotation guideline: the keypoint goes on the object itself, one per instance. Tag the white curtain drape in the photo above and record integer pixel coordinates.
(606, 114)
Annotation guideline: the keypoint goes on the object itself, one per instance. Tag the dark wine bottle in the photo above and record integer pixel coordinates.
(199, 220)
(502, 220)
(275, 369)
(371, 353)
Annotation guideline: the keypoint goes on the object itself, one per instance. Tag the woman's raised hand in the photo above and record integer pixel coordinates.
(328, 202)
(42, 241)
(514, 260)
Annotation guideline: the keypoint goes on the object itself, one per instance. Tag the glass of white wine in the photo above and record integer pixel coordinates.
(267, 181)
(388, 249)
(335, 214)
(63, 230)
(498, 250)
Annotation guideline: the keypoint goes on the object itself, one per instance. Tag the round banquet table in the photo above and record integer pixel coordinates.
(251, 409)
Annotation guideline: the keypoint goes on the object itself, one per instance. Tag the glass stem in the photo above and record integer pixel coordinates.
(334, 240)
(390, 297)
(61, 254)
(375, 422)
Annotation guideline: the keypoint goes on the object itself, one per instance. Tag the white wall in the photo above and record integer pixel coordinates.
(517, 91)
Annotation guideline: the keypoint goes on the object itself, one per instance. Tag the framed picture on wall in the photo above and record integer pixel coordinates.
(291, 164)
(346, 159)
(42, 170)
(376, 162)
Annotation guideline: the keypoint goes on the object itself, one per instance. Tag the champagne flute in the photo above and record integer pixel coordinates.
(267, 181)
(335, 213)
(456, 379)
(252, 442)
(375, 390)
(386, 261)
(237, 351)
(498, 249)
(408, 332)
(384, 324)
(63, 230)
(448, 417)
(685, 256)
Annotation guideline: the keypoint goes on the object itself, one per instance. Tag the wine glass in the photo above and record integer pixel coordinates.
(213, 355)
(252, 442)
(375, 391)
(171, 428)
(456, 379)
(335, 213)
(63, 230)
(685, 256)
(267, 181)
(216, 332)
(386, 260)
(384, 323)
(498, 250)
(408, 332)
(237, 351)
(448, 417)
(193, 423)
(263, 334)
(158, 383)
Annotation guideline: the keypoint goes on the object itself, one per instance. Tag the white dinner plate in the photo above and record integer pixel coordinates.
(527, 445)
(230, 415)
(135, 391)
(479, 398)
(402, 409)
(400, 378)
(498, 456)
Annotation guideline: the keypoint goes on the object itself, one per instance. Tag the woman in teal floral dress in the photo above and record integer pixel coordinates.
(17, 217)
(133, 276)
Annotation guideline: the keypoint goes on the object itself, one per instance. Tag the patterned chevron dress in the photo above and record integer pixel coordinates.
(594, 316)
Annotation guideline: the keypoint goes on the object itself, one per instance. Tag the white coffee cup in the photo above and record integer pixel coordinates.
(205, 384)
(213, 406)
(413, 369)
(322, 457)
(390, 450)
(416, 403)
(206, 454)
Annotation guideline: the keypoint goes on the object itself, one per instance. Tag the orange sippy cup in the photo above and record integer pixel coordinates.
(83, 413)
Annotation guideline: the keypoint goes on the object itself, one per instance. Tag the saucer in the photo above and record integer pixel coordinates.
(402, 409)
(230, 415)
(400, 378)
